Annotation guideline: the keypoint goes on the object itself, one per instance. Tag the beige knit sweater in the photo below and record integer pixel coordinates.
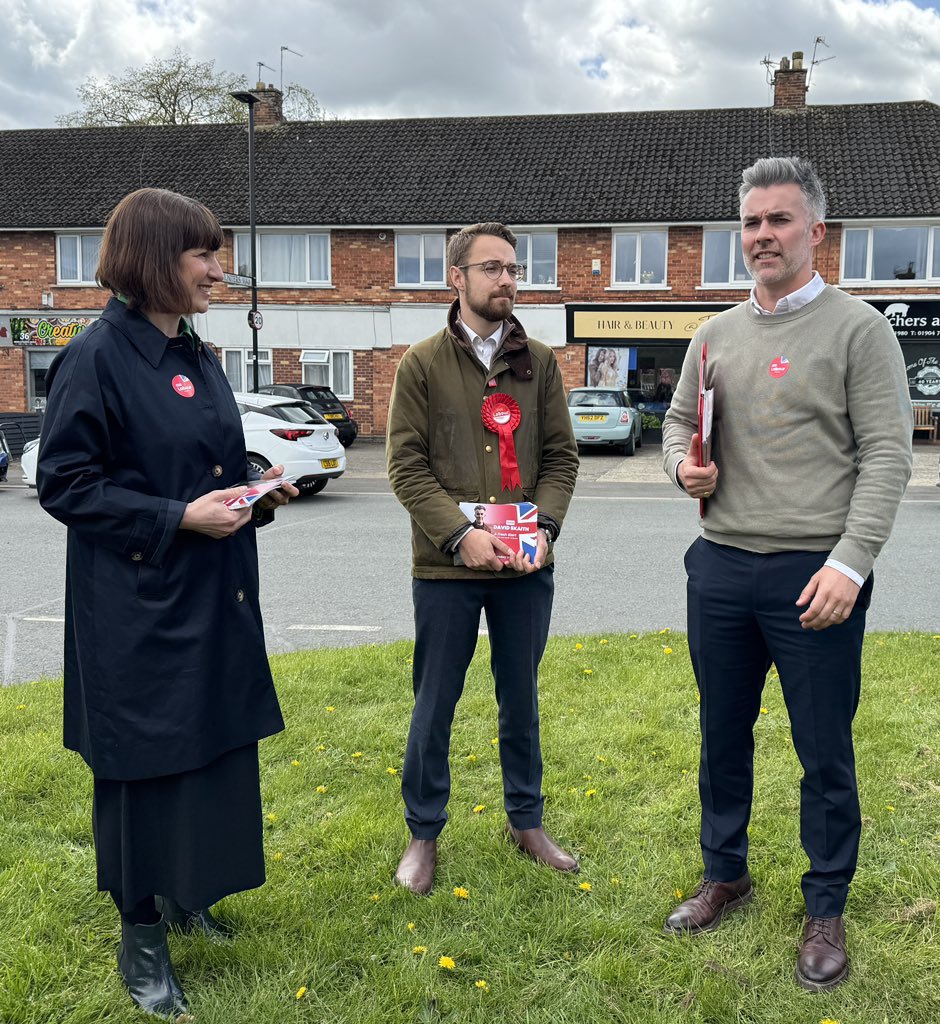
(812, 428)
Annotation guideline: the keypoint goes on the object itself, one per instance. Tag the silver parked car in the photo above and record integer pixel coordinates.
(605, 416)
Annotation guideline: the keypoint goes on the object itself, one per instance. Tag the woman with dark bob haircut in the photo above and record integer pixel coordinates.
(167, 685)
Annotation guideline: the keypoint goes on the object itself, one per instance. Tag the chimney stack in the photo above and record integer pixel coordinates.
(268, 109)
(790, 82)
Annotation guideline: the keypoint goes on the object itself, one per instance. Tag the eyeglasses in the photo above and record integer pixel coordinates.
(494, 269)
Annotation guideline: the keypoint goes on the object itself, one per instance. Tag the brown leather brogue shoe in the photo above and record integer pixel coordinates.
(416, 867)
(539, 845)
(823, 962)
(704, 909)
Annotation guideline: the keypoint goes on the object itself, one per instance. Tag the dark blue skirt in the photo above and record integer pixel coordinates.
(195, 836)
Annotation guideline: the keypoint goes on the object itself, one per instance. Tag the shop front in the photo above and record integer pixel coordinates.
(916, 323)
(39, 338)
(638, 348)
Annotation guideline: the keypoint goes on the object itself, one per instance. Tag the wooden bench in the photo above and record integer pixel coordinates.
(925, 422)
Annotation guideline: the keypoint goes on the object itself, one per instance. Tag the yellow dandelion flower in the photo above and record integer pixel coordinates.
(330, 707)
(482, 985)
(889, 808)
(419, 949)
(461, 893)
(828, 1020)
(20, 707)
(278, 856)
(615, 880)
(321, 789)
(589, 671)
(685, 771)
(321, 747)
(585, 887)
(375, 897)
(391, 771)
(602, 760)
(272, 816)
(602, 641)
(677, 893)
(579, 647)
(301, 992)
(590, 792)
(479, 809)
(494, 742)
(662, 631)
(295, 763)
(471, 758)
(357, 754)
(765, 711)
(936, 636)
(667, 650)
(446, 963)
(411, 926)
(633, 636)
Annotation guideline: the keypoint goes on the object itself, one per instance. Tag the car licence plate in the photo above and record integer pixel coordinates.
(592, 419)
(333, 416)
(329, 463)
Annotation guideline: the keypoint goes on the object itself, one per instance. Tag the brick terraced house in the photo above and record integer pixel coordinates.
(627, 223)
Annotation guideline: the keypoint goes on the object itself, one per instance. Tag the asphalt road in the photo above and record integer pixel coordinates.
(335, 566)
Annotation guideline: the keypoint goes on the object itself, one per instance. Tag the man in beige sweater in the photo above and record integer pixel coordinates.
(811, 454)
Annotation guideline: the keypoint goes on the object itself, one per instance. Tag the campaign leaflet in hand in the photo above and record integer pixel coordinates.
(515, 525)
(257, 490)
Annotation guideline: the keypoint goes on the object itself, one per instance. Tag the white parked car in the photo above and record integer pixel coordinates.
(28, 462)
(292, 433)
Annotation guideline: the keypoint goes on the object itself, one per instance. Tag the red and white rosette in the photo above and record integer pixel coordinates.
(502, 415)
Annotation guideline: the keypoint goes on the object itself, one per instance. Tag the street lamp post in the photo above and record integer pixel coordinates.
(254, 316)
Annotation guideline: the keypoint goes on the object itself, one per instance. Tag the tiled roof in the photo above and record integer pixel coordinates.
(877, 160)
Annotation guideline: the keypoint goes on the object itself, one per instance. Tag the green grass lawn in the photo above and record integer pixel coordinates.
(328, 938)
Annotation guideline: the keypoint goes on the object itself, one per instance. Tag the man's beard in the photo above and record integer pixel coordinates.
(492, 309)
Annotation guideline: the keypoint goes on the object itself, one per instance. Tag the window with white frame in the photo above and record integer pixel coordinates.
(330, 369)
(77, 258)
(238, 363)
(538, 250)
(722, 259)
(419, 259)
(640, 257)
(904, 252)
(285, 258)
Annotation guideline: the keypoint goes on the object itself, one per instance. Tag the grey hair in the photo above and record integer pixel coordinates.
(786, 170)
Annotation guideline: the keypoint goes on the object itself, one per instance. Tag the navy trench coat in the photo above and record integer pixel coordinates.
(165, 664)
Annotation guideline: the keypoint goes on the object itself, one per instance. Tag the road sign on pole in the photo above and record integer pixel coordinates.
(237, 279)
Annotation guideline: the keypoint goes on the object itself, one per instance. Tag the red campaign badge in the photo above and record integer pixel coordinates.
(780, 367)
(502, 415)
(183, 386)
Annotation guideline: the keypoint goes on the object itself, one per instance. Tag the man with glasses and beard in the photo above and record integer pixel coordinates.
(478, 414)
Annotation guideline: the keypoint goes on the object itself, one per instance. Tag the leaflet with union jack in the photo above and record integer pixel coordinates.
(516, 525)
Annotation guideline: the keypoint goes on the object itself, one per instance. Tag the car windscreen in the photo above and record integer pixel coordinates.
(596, 399)
(316, 394)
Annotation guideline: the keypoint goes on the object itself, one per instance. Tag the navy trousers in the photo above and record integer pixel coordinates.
(447, 619)
(742, 618)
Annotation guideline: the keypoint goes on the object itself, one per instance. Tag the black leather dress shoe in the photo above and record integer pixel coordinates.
(704, 909)
(145, 965)
(823, 962)
(192, 922)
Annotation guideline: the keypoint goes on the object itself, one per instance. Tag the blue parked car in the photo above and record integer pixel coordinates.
(605, 416)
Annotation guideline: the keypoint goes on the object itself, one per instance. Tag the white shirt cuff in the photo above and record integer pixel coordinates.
(846, 571)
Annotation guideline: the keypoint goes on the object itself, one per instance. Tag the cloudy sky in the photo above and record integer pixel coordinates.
(372, 58)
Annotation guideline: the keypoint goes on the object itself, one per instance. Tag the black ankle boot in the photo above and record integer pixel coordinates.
(144, 963)
(199, 922)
